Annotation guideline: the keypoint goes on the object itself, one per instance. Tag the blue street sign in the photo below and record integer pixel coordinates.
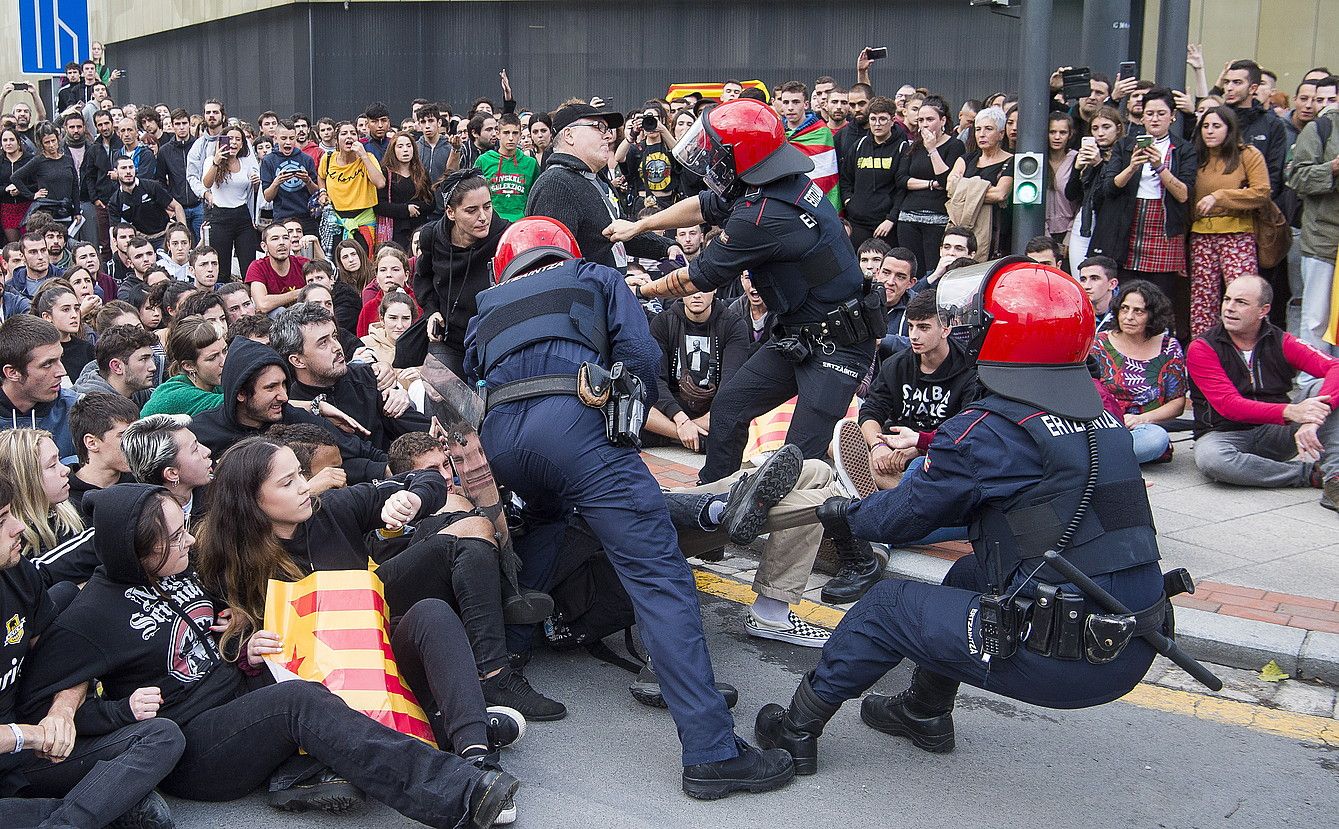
(51, 34)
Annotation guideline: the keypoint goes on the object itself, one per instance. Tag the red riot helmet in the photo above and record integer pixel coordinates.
(530, 242)
(1030, 327)
(742, 140)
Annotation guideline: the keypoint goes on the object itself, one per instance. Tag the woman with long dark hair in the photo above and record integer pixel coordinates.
(49, 179)
(147, 628)
(406, 199)
(452, 270)
(922, 178)
(1232, 184)
(231, 177)
(13, 206)
(264, 523)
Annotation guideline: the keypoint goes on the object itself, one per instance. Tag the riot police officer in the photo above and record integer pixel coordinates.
(567, 362)
(777, 226)
(1035, 466)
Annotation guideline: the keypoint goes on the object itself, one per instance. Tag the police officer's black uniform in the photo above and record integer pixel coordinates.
(789, 239)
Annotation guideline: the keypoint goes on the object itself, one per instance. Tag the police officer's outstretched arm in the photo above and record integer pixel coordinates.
(680, 214)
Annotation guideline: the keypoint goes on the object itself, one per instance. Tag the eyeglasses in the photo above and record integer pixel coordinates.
(602, 128)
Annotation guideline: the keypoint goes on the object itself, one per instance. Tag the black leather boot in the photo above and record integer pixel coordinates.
(861, 565)
(796, 729)
(923, 713)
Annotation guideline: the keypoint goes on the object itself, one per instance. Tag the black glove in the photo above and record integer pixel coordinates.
(832, 515)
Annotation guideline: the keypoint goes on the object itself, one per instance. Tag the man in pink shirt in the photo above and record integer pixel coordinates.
(1248, 429)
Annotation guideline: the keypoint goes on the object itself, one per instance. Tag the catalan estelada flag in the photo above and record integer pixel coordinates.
(767, 433)
(813, 138)
(335, 628)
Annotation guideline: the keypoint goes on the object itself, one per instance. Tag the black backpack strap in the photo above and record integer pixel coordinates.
(604, 653)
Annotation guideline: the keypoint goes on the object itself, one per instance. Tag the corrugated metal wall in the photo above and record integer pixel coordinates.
(627, 51)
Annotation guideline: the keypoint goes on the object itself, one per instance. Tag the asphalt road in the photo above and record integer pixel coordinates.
(614, 763)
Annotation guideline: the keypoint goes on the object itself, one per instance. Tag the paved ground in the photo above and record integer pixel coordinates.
(1170, 761)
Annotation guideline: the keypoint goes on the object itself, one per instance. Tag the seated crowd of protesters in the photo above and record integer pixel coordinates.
(214, 355)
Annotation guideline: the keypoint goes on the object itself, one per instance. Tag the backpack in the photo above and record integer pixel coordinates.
(589, 602)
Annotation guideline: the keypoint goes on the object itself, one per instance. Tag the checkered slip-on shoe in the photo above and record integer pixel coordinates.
(850, 456)
(796, 631)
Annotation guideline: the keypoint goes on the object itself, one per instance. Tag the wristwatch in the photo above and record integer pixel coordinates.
(316, 403)
(637, 292)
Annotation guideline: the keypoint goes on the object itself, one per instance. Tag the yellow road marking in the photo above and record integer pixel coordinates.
(1303, 727)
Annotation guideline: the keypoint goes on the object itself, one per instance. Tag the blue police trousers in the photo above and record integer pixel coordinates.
(938, 628)
(552, 452)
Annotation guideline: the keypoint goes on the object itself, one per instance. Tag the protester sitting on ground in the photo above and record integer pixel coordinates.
(896, 273)
(752, 308)
(205, 304)
(31, 392)
(237, 301)
(395, 313)
(348, 302)
(305, 337)
(958, 243)
(195, 353)
(1044, 250)
(1251, 429)
(254, 327)
(317, 453)
(706, 515)
(1099, 277)
(56, 303)
(162, 450)
(52, 775)
(702, 343)
(914, 392)
(391, 271)
(96, 424)
(55, 538)
(255, 395)
(125, 364)
(185, 677)
(1143, 367)
(871, 253)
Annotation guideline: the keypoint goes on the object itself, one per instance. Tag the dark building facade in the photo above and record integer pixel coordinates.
(324, 59)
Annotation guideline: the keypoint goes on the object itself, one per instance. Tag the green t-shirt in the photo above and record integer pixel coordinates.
(509, 181)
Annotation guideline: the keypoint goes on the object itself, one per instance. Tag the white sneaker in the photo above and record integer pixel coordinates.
(507, 816)
(794, 630)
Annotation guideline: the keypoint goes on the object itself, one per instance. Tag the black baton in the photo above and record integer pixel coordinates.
(1161, 644)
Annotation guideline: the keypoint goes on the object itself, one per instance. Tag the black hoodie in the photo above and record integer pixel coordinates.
(219, 429)
(80, 488)
(448, 279)
(129, 633)
(902, 396)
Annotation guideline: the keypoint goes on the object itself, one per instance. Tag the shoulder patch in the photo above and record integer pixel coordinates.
(813, 196)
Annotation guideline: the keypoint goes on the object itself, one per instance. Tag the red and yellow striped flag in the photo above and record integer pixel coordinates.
(335, 628)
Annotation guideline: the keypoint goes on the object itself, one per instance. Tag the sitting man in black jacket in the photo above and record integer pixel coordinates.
(255, 396)
(914, 392)
(305, 336)
(702, 344)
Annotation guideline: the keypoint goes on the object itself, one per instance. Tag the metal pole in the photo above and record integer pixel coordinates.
(1105, 41)
(1173, 35)
(1034, 95)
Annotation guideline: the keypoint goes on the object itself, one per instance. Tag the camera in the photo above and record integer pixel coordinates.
(650, 123)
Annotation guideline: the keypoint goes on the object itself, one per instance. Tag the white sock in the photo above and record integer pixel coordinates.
(715, 509)
(771, 610)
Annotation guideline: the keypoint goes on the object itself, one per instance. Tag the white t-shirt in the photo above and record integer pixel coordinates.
(1150, 183)
(237, 190)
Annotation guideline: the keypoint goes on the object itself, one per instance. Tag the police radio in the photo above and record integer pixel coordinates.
(999, 626)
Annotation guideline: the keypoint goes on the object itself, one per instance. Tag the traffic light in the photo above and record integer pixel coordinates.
(1028, 185)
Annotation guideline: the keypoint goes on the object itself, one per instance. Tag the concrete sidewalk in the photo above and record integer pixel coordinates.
(1266, 564)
